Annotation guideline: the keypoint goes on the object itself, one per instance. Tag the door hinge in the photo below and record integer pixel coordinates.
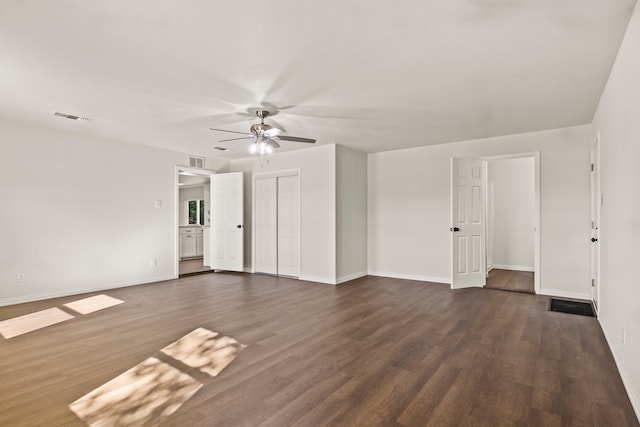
(593, 283)
(592, 167)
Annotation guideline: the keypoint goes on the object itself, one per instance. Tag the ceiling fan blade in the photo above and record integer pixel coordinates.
(274, 131)
(296, 139)
(231, 131)
(273, 143)
(235, 139)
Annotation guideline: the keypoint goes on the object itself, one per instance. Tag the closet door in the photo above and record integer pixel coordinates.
(266, 211)
(288, 225)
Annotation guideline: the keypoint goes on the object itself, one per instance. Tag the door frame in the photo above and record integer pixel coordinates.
(536, 238)
(596, 202)
(275, 174)
(176, 210)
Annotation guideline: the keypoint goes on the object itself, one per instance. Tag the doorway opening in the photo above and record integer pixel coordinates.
(193, 221)
(512, 223)
(474, 204)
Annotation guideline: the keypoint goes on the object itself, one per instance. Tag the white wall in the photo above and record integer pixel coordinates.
(617, 119)
(409, 207)
(351, 214)
(318, 206)
(511, 207)
(78, 213)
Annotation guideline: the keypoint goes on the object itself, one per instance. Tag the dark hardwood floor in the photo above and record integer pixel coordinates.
(510, 280)
(372, 352)
(192, 266)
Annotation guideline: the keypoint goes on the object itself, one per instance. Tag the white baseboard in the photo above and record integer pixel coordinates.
(317, 279)
(444, 280)
(633, 398)
(69, 292)
(512, 267)
(564, 294)
(350, 277)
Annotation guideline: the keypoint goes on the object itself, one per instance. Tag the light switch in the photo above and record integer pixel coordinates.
(158, 204)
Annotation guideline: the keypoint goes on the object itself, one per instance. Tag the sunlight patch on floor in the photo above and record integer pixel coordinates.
(204, 350)
(91, 304)
(31, 322)
(144, 395)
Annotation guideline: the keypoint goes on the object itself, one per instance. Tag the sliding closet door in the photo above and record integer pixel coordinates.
(277, 224)
(266, 224)
(288, 226)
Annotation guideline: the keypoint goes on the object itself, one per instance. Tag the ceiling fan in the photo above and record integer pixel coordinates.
(264, 136)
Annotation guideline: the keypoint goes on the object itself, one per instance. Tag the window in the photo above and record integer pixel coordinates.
(195, 208)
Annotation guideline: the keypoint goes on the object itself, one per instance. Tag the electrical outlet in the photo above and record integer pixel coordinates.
(624, 336)
(154, 262)
(20, 277)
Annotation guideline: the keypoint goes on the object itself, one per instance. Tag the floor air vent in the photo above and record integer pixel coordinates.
(571, 307)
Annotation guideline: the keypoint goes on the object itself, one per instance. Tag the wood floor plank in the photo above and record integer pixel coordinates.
(374, 352)
(511, 280)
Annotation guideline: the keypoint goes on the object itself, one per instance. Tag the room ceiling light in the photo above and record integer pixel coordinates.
(264, 136)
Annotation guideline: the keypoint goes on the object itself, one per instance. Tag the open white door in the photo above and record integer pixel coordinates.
(227, 217)
(468, 257)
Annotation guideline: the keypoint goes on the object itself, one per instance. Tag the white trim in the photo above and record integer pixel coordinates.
(444, 280)
(626, 379)
(317, 279)
(598, 214)
(564, 294)
(349, 277)
(513, 267)
(277, 174)
(65, 293)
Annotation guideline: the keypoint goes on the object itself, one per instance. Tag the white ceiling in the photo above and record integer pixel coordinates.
(373, 75)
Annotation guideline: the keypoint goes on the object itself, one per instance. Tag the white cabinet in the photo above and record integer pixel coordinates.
(188, 244)
(191, 242)
(206, 251)
(199, 241)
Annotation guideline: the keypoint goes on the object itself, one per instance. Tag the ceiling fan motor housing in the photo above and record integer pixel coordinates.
(260, 128)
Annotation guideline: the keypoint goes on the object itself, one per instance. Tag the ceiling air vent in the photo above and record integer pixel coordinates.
(196, 162)
(69, 116)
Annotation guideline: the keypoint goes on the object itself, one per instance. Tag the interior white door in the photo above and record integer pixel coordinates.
(227, 217)
(266, 225)
(468, 250)
(595, 223)
(288, 226)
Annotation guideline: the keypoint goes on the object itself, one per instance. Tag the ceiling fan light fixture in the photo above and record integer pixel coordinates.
(264, 136)
(261, 147)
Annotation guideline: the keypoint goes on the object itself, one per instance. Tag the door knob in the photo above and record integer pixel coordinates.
(593, 239)
(239, 226)
(454, 229)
